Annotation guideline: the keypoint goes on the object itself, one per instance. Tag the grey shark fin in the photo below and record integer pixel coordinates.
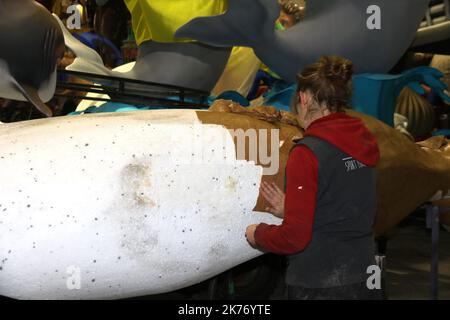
(245, 23)
(87, 59)
(32, 96)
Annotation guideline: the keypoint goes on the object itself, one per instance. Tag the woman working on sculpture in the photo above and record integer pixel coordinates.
(329, 205)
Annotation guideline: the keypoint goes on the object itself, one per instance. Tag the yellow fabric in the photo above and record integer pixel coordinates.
(270, 72)
(239, 73)
(158, 20)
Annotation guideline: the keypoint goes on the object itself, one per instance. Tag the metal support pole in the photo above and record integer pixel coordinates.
(212, 287)
(230, 285)
(428, 18)
(447, 8)
(433, 224)
(380, 259)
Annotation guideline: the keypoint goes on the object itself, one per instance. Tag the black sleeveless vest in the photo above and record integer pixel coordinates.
(342, 245)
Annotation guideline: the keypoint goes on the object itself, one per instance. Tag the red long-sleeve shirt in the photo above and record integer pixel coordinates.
(300, 204)
(293, 235)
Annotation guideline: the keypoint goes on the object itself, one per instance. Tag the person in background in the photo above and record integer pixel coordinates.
(268, 87)
(244, 66)
(329, 203)
(111, 21)
(292, 12)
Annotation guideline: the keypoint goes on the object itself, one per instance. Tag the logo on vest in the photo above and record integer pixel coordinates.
(352, 164)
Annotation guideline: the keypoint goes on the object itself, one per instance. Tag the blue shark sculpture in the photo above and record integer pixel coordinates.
(339, 27)
(31, 42)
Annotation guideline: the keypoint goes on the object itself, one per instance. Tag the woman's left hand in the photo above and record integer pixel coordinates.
(275, 196)
(250, 235)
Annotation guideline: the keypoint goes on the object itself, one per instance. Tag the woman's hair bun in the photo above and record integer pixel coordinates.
(336, 68)
(329, 81)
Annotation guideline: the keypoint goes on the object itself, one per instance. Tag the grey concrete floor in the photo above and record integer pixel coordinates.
(408, 261)
(407, 265)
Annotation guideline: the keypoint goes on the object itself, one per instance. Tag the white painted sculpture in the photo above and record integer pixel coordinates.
(123, 199)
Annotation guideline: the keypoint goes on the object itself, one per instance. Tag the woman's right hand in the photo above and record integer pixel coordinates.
(275, 196)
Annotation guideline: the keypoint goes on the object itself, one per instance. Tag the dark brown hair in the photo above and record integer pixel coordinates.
(329, 81)
(294, 8)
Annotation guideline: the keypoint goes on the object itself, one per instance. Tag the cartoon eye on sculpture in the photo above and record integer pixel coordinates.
(153, 201)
